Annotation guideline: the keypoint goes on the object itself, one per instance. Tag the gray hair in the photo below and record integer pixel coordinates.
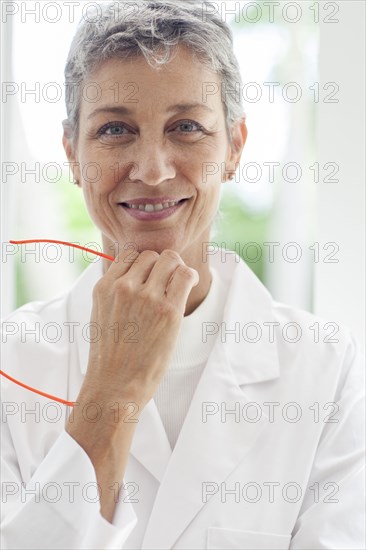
(153, 31)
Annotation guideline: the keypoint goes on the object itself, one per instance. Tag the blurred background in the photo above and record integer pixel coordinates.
(295, 209)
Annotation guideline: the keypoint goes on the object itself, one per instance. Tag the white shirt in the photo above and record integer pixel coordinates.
(275, 472)
(176, 388)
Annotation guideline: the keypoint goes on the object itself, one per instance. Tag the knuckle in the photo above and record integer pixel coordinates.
(149, 255)
(148, 295)
(185, 271)
(171, 255)
(124, 285)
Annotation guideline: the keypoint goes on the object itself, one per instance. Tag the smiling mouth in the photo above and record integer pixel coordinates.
(150, 207)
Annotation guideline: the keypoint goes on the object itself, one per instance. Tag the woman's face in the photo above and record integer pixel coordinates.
(147, 139)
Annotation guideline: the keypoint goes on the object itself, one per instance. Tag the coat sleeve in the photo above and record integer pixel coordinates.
(49, 491)
(333, 510)
(57, 508)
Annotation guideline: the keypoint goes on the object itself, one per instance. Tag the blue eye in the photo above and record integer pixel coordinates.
(116, 129)
(190, 124)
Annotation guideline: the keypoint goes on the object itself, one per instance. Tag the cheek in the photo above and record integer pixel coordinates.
(96, 169)
(98, 183)
(93, 196)
(207, 201)
(211, 197)
(90, 198)
(207, 164)
(197, 169)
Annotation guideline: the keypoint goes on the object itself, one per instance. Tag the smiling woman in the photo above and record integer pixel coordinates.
(187, 338)
(154, 153)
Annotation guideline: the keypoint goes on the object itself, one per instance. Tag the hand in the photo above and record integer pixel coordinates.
(139, 306)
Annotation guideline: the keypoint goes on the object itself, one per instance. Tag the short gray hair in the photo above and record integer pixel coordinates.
(153, 31)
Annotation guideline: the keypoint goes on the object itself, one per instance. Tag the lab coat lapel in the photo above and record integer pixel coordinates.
(208, 451)
(150, 444)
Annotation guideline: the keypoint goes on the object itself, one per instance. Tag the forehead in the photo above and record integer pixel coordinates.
(132, 82)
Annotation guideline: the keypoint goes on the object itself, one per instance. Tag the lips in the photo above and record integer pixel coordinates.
(149, 209)
(152, 205)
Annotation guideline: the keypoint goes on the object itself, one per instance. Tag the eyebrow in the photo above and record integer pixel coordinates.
(178, 108)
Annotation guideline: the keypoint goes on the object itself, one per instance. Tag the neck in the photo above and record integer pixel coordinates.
(192, 258)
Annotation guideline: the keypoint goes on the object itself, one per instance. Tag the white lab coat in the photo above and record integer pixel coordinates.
(285, 470)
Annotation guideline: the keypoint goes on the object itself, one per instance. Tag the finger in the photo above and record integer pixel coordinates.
(163, 270)
(142, 266)
(183, 280)
(122, 264)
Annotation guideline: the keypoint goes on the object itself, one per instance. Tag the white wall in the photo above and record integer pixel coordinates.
(8, 113)
(339, 288)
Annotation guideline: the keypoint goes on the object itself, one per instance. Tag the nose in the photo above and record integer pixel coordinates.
(152, 161)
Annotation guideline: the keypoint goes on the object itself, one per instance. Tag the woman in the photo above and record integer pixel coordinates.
(195, 436)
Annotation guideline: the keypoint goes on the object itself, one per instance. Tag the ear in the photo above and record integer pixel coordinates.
(239, 134)
(70, 151)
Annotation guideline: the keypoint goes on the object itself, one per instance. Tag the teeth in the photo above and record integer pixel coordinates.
(153, 207)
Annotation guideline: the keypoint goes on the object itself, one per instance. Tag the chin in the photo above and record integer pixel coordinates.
(153, 241)
(157, 245)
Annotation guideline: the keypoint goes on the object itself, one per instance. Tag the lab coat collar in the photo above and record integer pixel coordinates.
(248, 301)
